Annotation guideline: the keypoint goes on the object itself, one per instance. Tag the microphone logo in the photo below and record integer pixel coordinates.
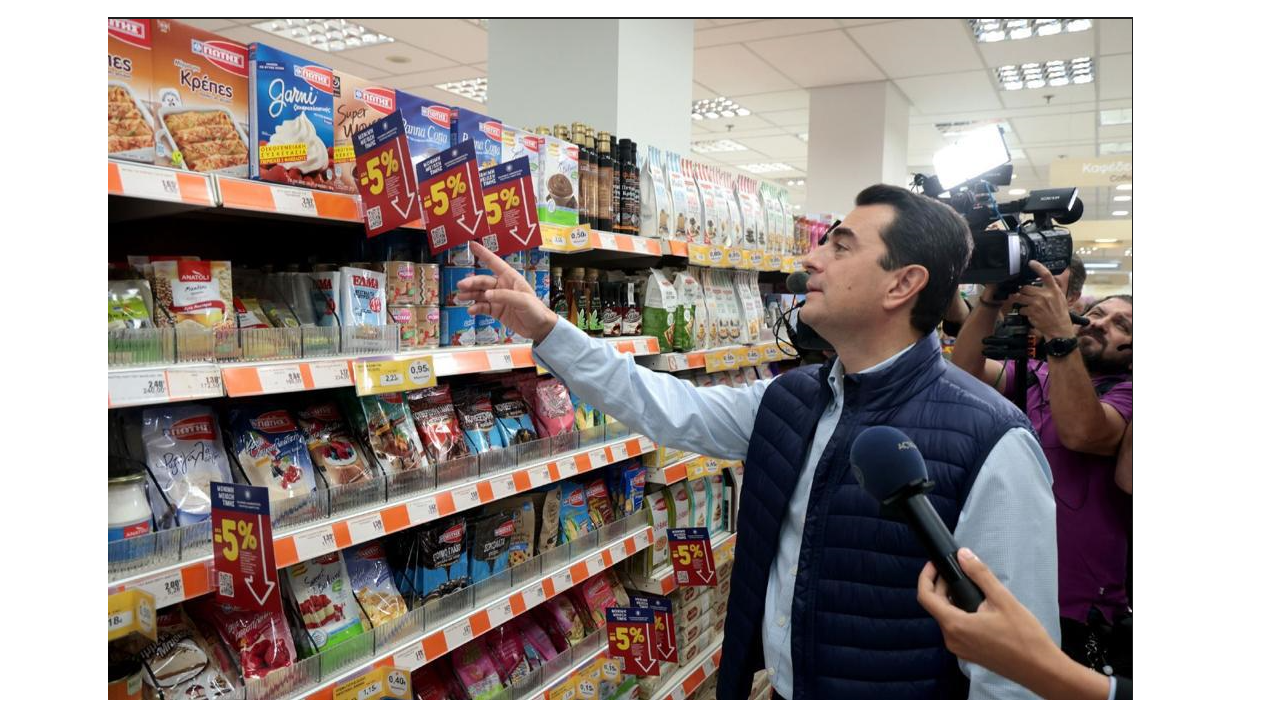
(908, 444)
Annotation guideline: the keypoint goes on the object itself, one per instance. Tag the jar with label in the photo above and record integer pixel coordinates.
(129, 510)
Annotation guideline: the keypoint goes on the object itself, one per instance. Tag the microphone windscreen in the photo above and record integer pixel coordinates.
(885, 461)
(797, 282)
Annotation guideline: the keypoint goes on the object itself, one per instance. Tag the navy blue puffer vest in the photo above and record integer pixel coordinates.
(857, 629)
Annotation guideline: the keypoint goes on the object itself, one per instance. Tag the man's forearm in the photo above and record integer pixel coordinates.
(1057, 676)
(967, 352)
(1076, 410)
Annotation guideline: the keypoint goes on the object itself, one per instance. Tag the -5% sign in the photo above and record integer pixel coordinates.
(628, 632)
(385, 177)
(692, 555)
(452, 197)
(511, 207)
(242, 547)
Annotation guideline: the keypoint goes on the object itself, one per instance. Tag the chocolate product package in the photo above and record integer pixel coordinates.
(185, 455)
(509, 654)
(574, 511)
(330, 442)
(272, 451)
(201, 98)
(262, 640)
(292, 119)
(363, 298)
(326, 294)
(479, 425)
(626, 483)
(437, 424)
(131, 123)
(599, 504)
(535, 637)
(443, 562)
(490, 545)
(457, 327)
(371, 581)
(435, 681)
(325, 600)
(513, 418)
(185, 663)
(523, 519)
(548, 504)
(358, 104)
(476, 671)
(553, 408)
(557, 204)
(391, 432)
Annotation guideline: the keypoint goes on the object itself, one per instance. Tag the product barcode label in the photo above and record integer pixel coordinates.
(225, 587)
(539, 475)
(294, 201)
(640, 347)
(374, 218)
(466, 498)
(567, 467)
(315, 543)
(422, 510)
(193, 384)
(607, 241)
(138, 388)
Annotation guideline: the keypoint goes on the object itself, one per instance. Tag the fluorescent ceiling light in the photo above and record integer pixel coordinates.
(1122, 198)
(474, 89)
(1017, 191)
(1053, 73)
(1102, 265)
(1124, 188)
(1121, 213)
(717, 107)
(717, 146)
(997, 29)
(762, 168)
(330, 35)
(803, 136)
(1116, 117)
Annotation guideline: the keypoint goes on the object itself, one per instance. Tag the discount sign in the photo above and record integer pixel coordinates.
(692, 555)
(511, 205)
(664, 641)
(629, 640)
(453, 209)
(390, 196)
(242, 545)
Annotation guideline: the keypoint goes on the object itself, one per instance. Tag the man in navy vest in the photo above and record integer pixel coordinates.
(823, 587)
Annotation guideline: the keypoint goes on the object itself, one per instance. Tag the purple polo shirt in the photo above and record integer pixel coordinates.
(1093, 515)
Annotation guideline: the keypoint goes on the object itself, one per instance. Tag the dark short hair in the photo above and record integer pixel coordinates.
(1103, 300)
(1078, 275)
(928, 233)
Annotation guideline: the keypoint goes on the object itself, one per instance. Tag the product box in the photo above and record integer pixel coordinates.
(358, 104)
(557, 202)
(201, 97)
(292, 119)
(449, 279)
(488, 331)
(131, 123)
(517, 142)
(484, 131)
(457, 327)
(427, 125)
(363, 299)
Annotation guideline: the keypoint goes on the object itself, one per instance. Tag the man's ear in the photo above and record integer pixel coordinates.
(905, 286)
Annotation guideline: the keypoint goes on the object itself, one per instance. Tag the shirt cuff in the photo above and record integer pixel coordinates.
(562, 342)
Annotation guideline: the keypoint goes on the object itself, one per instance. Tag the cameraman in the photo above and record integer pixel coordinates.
(1080, 403)
(1070, 280)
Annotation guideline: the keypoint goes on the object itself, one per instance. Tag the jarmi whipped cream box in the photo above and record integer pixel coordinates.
(292, 120)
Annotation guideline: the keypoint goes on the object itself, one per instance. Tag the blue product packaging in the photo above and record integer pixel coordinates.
(540, 282)
(272, 451)
(292, 112)
(485, 131)
(427, 125)
(449, 279)
(363, 298)
(488, 331)
(517, 260)
(574, 511)
(457, 327)
(443, 561)
(490, 545)
(538, 259)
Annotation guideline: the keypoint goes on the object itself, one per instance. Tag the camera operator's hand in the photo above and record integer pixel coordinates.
(1045, 306)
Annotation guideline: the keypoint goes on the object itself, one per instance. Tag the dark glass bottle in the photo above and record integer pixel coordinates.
(604, 195)
(558, 293)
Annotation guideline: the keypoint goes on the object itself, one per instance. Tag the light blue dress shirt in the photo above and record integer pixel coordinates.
(1009, 518)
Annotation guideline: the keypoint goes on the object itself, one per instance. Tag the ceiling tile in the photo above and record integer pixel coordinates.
(700, 92)
(955, 92)
(738, 135)
(924, 138)
(455, 39)
(770, 101)
(748, 32)
(1065, 46)
(752, 122)
(1045, 155)
(818, 59)
(1073, 127)
(910, 48)
(1114, 76)
(246, 34)
(779, 146)
(377, 56)
(1116, 132)
(735, 158)
(786, 118)
(433, 77)
(211, 24)
(1116, 35)
(1068, 95)
(859, 22)
(735, 70)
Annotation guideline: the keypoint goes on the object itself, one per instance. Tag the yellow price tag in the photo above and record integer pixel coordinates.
(772, 262)
(133, 611)
(721, 360)
(734, 258)
(747, 258)
(273, 154)
(788, 265)
(717, 257)
(695, 468)
(555, 237)
(401, 375)
(771, 353)
(698, 254)
(753, 357)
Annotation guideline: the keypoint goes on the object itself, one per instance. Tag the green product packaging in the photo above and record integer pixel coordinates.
(659, 308)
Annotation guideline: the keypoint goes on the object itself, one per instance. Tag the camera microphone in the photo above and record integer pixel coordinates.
(888, 466)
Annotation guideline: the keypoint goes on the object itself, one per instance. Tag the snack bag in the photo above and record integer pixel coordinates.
(391, 432)
(560, 613)
(325, 600)
(131, 304)
(371, 580)
(479, 426)
(326, 294)
(574, 512)
(548, 504)
(185, 455)
(186, 664)
(523, 515)
(660, 303)
(679, 498)
(442, 559)
(363, 301)
(490, 545)
(587, 417)
(699, 503)
(261, 639)
(437, 424)
(197, 293)
(272, 451)
(435, 680)
(658, 515)
(510, 655)
(596, 595)
(599, 505)
(626, 485)
(249, 313)
(513, 418)
(476, 671)
(535, 637)
(332, 446)
(553, 408)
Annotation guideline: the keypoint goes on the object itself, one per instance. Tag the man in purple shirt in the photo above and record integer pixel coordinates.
(1080, 403)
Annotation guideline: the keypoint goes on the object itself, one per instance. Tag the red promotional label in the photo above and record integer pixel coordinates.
(692, 555)
(511, 206)
(664, 639)
(384, 176)
(242, 546)
(453, 210)
(629, 640)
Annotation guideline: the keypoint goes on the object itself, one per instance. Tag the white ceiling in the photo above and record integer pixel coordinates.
(769, 65)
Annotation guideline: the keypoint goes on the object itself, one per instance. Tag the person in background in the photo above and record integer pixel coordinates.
(1070, 280)
(1005, 637)
(1080, 402)
(818, 589)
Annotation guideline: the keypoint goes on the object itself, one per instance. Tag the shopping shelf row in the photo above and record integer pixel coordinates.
(692, 466)
(721, 358)
(689, 677)
(663, 582)
(190, 574)
(701, 660)
(197, 189)
(179, 382)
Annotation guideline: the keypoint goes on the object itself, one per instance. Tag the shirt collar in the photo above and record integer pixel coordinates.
(837, 374)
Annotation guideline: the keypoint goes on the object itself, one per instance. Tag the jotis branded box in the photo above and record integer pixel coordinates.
(131, 124)
(292, 119)
(427, 125)
(485, 131)
(358, 104)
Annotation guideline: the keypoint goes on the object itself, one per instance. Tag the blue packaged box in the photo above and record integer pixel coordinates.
(428, 125)
(488, 331)
(457, 327)
(292, 112)
(540, 282)
(490, 545)
(485, 131)
(538, 259)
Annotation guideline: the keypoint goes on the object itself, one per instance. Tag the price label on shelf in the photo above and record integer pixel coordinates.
(598, 458)
(534, 595)
(242, 547)
(466, 498)
(363, 529)
(619, 452)
(397, 684)
(422, 510)
(500, 360)
(410, 658)
(607, 240)
(561, 580)
(752, 357)
(385, 176)
(641, 348)
(771, 353)
(458, 634)
(331, 373)
(539, 475)
(629, 640)
(579, 239)
(315, 542)
(149, 182)
(567, 467)
(772, 262)
(132, 611)
(698, 254)
(692, 557)
(595, 565)
(400, 375)
(501, 613)
(281, 378)
(138, 388)
(503, 486)
(716, 256)
(294, 200)
(450, 187)
(194, 383)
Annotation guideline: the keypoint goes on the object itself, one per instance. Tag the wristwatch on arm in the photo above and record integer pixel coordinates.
(1060, 346)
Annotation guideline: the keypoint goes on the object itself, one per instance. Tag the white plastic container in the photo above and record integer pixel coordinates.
(129, 512)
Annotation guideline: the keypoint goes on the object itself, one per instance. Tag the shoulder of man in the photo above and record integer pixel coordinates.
(976, 395)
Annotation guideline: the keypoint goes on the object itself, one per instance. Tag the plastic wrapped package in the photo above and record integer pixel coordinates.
(574, 511)
(435, 681)
(184, 663)
(476, 671)
(371, 580)
(554, 408)
(547, 505)
(437, 424)
(513, 660)
(262, 640)
(599, 504)
(332, 446)
(272, 451)
(325, 600)
(184, 453)
(560, 615)
(513, 417)
(490, 545)
(392, 434)
(478, 423)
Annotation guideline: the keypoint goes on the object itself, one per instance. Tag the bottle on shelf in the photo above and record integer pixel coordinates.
(629, 189)
(617, 189)
(558, 292)
(604, 195)
(585, 169)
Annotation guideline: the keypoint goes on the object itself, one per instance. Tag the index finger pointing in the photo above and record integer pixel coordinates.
(490, 260)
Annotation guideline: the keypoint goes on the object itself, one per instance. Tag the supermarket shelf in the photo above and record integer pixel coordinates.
(147, 182)
(690, 467)
(585, 661)
(716, 360)
(736, 258)
(418, 651)
(663, 581)
(157, 385)
(191, 577)
(268, 197)
(688, 679)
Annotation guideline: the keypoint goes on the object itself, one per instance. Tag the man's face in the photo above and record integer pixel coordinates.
(847, 282)
(1110, 328)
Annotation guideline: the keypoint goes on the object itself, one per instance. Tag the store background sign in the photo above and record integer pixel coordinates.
(242, 547)
(1091, 172)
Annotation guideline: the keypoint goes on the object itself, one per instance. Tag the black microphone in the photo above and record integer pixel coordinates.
(797, 282)
(889, 467)
(804, 336)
